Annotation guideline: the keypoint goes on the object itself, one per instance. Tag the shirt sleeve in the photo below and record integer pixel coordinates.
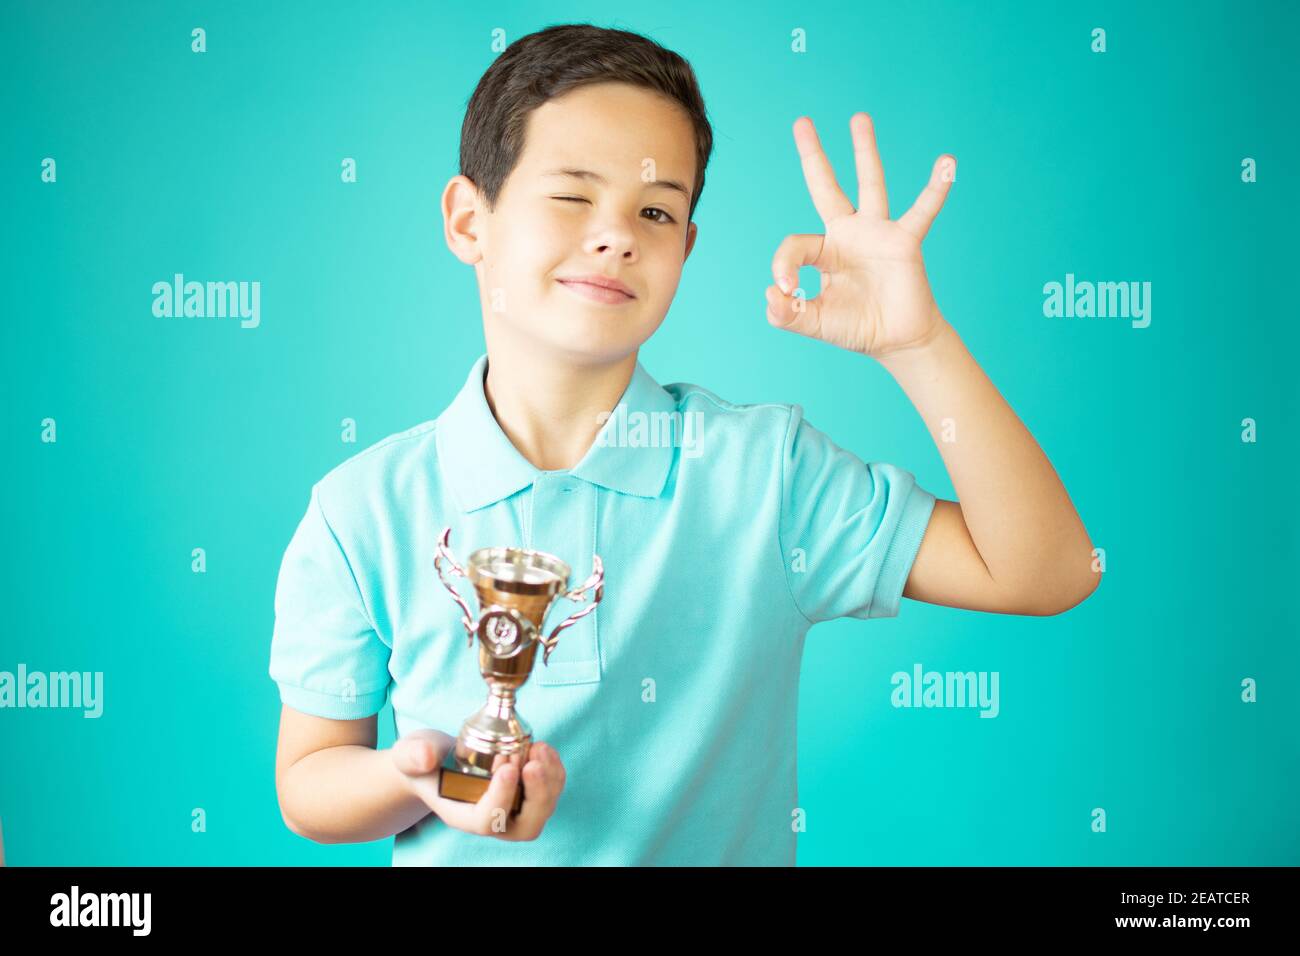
(850, 530)
(326, 655)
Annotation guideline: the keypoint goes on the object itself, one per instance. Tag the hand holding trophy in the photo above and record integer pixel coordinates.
(417, 756)
(516, 587)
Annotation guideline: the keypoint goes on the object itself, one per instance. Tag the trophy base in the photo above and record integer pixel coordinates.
(458, 781)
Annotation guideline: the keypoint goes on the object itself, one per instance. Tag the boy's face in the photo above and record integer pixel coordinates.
(627, 225)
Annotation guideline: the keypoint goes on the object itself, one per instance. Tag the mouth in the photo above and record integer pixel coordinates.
(596, 293)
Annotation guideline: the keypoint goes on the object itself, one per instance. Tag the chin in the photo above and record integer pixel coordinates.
(601, 337)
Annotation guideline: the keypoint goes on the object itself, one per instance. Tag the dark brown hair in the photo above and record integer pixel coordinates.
(546, 64)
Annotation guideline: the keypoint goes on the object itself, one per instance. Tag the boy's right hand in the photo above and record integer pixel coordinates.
(419, 754)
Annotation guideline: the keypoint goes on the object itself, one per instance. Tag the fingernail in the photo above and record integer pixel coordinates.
(784, 284)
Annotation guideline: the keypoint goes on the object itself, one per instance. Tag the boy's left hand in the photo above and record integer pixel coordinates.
(875, 297)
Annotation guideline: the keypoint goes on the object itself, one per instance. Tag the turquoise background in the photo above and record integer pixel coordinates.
(184, 433)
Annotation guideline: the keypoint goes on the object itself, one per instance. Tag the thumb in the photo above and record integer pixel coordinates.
(785, 309)
(412, 756)
(794, 313)
(420, 751)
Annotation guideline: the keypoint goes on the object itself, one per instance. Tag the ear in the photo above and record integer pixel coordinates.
(460, 219)
(691, 231)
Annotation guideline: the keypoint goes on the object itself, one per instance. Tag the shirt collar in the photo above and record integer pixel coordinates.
(482, 467)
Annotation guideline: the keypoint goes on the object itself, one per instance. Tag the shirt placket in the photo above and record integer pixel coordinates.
(563, 523)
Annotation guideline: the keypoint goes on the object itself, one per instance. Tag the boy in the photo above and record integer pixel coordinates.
(669, 713)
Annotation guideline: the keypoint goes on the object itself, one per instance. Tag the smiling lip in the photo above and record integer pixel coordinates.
(599, 289)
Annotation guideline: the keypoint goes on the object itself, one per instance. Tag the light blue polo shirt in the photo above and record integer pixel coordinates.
(726, 531)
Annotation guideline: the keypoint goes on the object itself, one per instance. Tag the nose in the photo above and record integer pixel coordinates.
(613, 239)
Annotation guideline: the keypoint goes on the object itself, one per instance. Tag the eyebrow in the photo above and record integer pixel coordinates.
(595, 177)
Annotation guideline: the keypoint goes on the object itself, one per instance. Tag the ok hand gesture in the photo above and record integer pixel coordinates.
(875, 297)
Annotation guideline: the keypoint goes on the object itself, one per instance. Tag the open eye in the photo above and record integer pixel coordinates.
(667, 217)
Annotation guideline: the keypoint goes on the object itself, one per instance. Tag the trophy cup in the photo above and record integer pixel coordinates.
(516, 588)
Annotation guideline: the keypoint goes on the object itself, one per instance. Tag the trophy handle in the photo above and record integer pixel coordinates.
(597, 581)
(444, 553)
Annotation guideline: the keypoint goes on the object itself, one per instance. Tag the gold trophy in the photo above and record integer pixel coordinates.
(516, 588)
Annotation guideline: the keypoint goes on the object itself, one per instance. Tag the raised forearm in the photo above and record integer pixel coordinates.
(1016, 509)
(348, 794)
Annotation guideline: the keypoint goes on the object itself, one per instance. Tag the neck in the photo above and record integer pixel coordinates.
(550, 410)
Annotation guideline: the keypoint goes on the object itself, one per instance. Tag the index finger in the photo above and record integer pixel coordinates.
(493, 808)
(543, 779)
(826, 194)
